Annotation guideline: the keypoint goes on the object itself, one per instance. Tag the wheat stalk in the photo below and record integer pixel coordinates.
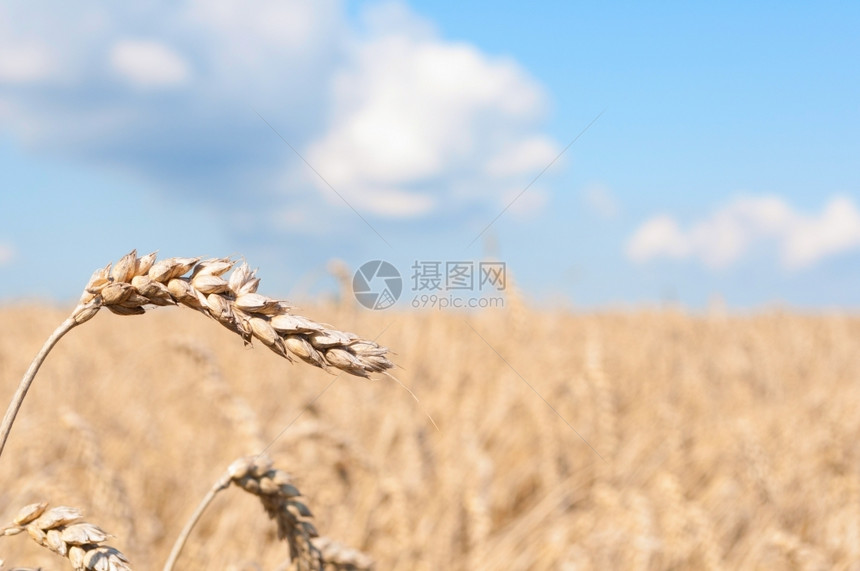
(61, 530)
(134, 283)
(281, 500)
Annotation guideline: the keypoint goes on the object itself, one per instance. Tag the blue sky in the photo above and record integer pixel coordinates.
(726, 161)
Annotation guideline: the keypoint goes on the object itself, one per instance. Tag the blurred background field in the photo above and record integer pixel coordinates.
(714, 441)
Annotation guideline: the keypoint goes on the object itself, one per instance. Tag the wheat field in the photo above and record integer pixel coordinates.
(566, 440)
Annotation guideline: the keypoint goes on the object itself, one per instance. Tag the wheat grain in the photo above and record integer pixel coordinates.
(4, 568)
(134, 283)
(281, 500)
(61, 530)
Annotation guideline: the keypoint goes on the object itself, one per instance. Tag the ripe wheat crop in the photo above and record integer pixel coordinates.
(728, 440)
(60, 530)
(128, 288)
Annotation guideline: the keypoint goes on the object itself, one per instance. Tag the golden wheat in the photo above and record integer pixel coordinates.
(127, 288)
(733, 440)
(281, 500)
(134, 283)
(61, 530)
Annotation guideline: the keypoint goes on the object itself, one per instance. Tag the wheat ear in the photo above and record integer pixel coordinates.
(134, 283)
(281, 500)
(61, 530)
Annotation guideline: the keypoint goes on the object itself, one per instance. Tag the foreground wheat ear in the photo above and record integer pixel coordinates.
(283, 503)
(133, 283)
(61, 530)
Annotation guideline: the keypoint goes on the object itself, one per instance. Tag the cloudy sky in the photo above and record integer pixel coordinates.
(609, 154)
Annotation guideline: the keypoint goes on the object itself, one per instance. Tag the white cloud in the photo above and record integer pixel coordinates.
(531, 155)
(599, 198)
(747, 223)
(658, 237)
(262, 27)
(148, 63)
(25, 63)
(271, 54)
(400, 121)
(414, 115)
(7, 253)
(836, 230)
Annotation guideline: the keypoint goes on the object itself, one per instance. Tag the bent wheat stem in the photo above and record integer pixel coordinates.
(222, 483)
(78, 316)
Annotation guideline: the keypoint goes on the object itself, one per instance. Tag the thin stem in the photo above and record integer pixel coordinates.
(223, 482)
(24, 386)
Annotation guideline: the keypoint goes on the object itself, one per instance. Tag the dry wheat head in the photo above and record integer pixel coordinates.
(134, 283)
(61, 530)
(280, 499)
